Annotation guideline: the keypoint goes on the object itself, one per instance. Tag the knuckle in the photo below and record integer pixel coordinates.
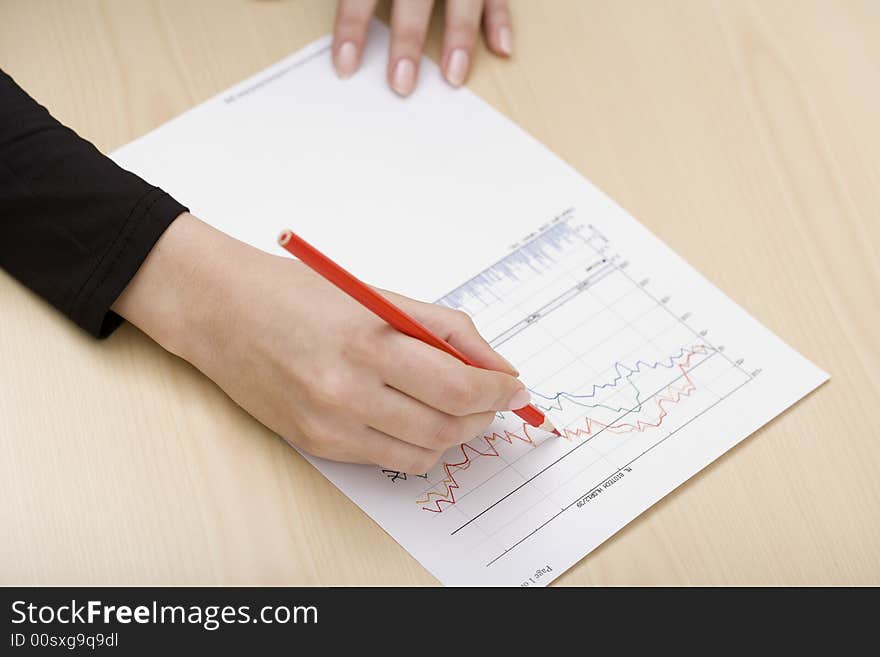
(353, 15)
(445, 436)
(497, 10)
(498, 14)
(463, 396)
(361, 347)
(327, 391)
(463, 319)
(348, 22)
(463, 25)
(409, 38)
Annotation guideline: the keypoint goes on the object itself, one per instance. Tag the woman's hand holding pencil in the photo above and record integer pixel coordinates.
(310, 362)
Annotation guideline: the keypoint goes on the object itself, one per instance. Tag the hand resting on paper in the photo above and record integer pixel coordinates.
(409, 25)
(309, 362)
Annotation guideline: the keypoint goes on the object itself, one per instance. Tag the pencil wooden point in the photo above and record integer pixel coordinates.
(547, 426)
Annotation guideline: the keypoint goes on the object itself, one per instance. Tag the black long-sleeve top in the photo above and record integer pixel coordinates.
(74, 226)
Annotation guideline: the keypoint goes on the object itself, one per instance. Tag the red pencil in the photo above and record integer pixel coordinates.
(382, 307)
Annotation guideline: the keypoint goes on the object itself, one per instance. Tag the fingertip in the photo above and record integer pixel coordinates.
(520, 398)
(504, 41)
(458, 66)
(497, 27)
(403, 77)
(346, 60)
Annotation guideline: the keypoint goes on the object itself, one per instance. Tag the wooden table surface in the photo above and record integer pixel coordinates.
(745, 134)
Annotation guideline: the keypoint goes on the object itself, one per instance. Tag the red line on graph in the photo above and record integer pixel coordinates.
(449, 483)
(673, 394)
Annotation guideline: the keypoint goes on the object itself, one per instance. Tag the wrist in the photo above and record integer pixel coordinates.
(175, 295)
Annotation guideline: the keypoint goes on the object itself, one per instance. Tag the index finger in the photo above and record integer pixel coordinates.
(443, 382)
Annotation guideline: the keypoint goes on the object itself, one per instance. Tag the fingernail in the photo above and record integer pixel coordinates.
(520, 399)
(504, 41)
(457, 67)
(346, 60)
(404, 77)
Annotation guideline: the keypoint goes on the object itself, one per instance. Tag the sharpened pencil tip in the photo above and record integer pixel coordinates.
(547, 426)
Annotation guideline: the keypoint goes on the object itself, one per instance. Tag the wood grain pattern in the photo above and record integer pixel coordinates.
(744, 133)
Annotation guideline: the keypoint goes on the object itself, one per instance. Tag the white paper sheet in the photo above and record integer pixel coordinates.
(651, 370)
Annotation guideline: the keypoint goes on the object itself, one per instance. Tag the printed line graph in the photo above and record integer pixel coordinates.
(486, 444)
(622, 372)
(618, 371)
(578, 432)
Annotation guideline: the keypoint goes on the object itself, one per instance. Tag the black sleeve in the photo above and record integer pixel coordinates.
(74, 226)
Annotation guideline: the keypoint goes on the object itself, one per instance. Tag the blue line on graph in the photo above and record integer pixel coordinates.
(622, 372)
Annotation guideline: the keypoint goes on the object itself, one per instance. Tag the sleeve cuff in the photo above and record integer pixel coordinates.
(150, 217)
